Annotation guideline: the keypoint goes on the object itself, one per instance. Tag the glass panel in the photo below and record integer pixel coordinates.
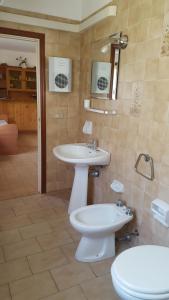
(30, 80)
(15, 79)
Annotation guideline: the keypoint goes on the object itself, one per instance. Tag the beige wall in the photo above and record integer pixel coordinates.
(64, 129)
(142, 124)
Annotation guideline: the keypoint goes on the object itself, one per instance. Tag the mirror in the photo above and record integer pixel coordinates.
(105, 66)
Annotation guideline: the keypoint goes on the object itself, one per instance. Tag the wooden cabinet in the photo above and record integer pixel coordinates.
(19, 79)
(3, 82)
(30, 80)
(18, 88)
(22, 113)
(14, 79)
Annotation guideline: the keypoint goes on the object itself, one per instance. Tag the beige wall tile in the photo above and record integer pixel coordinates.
(33, 287)
(71, 275)
(21, 249)
(158, 8)
(155, 27)
(14, 270)
(152, 72)
(163, 67)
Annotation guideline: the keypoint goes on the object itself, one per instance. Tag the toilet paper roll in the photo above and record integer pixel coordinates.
(117, 186)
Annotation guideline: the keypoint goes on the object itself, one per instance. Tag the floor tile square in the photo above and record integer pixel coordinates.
(21, 249)
(74, 293)
(44, 214)
(5, 293)
(1, 256)
(69, 251)
(102, 267)
(11, 236)
(54, 239)
(11, 223)
(75, 235)
(71, 275)
(14, 270)
(34, 287)
(33, 230)
(99, 288)
(46, 260)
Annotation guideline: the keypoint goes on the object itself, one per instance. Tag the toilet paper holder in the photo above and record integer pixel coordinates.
(149, 159)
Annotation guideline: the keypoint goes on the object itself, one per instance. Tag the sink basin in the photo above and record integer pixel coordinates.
(82, 157)
(81, 154)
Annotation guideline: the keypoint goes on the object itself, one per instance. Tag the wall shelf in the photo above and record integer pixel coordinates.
(102, 111)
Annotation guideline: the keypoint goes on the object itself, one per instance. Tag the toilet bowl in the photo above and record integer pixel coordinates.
(142, 273)
(97, 223)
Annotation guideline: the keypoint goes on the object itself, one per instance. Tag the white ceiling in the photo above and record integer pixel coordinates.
(17, 45)
(72, 9)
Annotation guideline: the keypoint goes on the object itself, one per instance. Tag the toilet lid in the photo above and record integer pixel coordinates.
(143, 269)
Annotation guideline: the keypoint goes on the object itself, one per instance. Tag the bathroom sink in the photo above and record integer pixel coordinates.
(81, 154)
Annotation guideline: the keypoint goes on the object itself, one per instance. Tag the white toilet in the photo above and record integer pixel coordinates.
(141, 273)
(97, 223)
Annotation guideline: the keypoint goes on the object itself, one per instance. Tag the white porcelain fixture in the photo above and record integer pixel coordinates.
(97, 223)
(82, 157)
(141, 273)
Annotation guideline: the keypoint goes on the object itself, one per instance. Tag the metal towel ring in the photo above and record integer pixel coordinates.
(149, 159)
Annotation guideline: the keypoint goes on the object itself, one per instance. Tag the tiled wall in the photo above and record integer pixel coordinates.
(142, 123)
(62, 109)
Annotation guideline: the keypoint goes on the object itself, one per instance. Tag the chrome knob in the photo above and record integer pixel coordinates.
(120, 203)
(129, 211)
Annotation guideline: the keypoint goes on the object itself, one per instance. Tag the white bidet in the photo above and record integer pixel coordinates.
(98, 223)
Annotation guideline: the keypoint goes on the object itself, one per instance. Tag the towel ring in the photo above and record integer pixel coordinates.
(147, 158)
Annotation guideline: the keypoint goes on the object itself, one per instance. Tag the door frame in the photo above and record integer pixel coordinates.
(40, 37)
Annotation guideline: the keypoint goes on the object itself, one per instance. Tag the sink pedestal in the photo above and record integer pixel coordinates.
(78, 196)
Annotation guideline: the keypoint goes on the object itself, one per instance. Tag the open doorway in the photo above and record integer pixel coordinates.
(22, 106)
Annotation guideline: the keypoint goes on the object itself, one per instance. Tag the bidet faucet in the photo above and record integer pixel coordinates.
(129, 211)
(93, 145)
(120, 203)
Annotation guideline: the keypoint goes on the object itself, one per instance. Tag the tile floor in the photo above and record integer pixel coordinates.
(37, 246)
(20, 169)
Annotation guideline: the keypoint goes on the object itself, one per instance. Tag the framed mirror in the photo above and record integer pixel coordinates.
(105, 66)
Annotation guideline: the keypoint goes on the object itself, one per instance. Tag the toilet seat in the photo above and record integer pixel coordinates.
(135, 295)
(143, 272)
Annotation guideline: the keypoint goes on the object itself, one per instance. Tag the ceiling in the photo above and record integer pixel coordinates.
(71, 9)
(14, 44)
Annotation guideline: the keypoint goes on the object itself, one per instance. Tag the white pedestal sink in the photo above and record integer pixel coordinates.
(82, 157)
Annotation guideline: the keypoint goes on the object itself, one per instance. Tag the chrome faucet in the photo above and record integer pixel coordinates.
(120, 203)
(129, 211)
(93, 145)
